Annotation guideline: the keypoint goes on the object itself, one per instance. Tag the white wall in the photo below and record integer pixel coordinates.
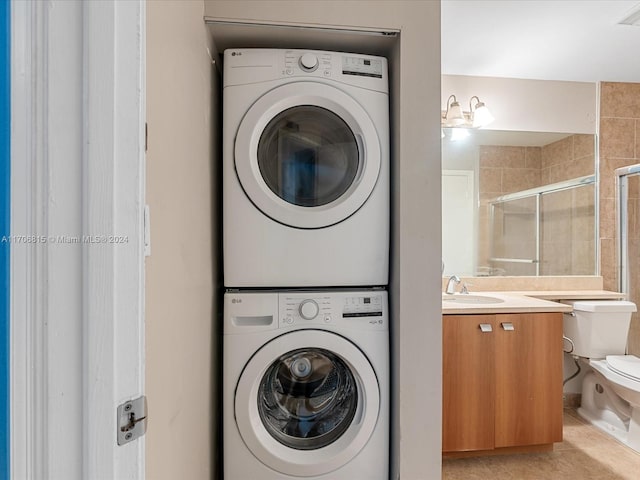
(528, 105)
(181, 271)
(416, 186)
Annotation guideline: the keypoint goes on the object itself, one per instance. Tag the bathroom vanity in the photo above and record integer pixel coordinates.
(502, 374)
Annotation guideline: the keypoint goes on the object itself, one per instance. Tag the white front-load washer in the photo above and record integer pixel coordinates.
(306, 385)
(305, 169)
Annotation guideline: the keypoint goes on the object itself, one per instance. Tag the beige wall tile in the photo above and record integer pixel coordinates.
(557, 153)
(501, 156)
(555, 263)
(620, 100)
(556, 173)
(607, 218)
(608, 263)
(533, 157)
(634, 187)
(587, 164)
(607, 185)
(634, 223)
(490, 180)
(517, 179)
(617, 137)
(583, 257)
(583, 145)
(545, 176)
(577, 168)
(637, 147)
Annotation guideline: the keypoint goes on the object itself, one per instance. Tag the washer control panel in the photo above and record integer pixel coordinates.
(308, 309)
(363, 306)
(335, 308)
(305, 308)
(308, 62)
(258, 311)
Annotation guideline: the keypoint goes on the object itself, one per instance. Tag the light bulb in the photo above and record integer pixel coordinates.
(482, 116)
(455, 115)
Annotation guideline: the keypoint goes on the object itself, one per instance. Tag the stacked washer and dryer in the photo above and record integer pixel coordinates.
(306, 255)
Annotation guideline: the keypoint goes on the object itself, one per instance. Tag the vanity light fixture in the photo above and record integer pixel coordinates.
(478, 115)
(453, 117)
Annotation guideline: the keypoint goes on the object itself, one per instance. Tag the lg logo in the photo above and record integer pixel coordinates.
(236, 300)
(236, 54)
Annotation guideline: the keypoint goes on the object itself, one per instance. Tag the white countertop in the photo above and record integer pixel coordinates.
(572, 294)
(511, 303)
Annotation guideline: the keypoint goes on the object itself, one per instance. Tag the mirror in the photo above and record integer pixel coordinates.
(518, 203)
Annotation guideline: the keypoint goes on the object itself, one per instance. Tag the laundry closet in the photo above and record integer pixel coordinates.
(409, 39)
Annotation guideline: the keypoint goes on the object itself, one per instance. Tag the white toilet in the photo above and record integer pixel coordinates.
(611, 385)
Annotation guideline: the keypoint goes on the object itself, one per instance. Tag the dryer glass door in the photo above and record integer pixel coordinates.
(308, 156)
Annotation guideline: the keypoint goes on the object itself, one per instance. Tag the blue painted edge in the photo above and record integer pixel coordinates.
(5, 226)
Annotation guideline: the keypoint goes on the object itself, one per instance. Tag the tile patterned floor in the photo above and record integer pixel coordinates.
(585, 454)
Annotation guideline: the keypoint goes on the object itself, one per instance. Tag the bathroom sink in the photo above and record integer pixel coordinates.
(464, 298)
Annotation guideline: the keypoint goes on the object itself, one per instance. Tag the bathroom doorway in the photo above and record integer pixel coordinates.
(628, 237)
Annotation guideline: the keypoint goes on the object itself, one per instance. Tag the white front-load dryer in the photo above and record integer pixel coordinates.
(306, 385)
(305, 169)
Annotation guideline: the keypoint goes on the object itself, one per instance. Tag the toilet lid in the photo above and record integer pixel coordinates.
(626, 365)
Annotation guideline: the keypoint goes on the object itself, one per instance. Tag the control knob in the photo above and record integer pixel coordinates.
(308, 309)
(309, 62)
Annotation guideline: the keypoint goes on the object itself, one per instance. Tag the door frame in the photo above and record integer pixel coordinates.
(5, 205)
(77, 225)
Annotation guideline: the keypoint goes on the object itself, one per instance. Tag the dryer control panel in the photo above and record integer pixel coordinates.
(255, 65)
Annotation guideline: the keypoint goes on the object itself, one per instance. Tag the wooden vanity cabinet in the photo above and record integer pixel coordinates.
(468, 383)
(502, 381)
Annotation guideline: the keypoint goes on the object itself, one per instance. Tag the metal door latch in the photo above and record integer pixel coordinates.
(132, 420)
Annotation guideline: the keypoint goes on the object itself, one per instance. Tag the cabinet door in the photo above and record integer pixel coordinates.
(468, 383)
(528, 379)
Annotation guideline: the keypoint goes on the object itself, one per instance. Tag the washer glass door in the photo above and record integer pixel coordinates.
(307, 398)
(307, 403)
(307, 154)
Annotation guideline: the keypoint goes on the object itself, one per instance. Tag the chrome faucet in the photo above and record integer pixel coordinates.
(451, 284)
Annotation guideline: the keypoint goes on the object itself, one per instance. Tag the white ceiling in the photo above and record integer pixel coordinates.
(576, 40)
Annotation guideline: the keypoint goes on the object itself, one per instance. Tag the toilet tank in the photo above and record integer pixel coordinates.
(598, 327)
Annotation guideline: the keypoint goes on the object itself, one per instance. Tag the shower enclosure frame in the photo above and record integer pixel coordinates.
(538, 192)
(622, 175)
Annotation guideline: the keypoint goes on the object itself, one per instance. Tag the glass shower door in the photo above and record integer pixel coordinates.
(515, 245)
(629, 244)
(549, 230)
(567, 231)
